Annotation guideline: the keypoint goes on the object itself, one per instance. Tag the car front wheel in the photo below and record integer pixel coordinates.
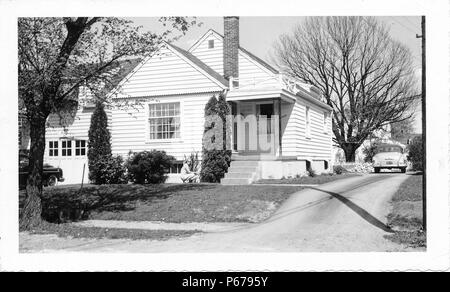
(376, 169)
(51, 181)
(403, 169)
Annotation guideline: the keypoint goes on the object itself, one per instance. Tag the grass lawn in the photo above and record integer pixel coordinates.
(165, 202)
(406, 214)
(316, 180)
(70, 230)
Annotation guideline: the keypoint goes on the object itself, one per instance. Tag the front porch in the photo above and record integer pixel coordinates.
(258, 126)
(261, 112)
(259, 119)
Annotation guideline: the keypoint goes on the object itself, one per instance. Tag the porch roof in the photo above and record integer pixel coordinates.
(273, 93)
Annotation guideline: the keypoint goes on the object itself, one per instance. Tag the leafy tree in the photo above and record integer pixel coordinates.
(363, 74)
(216, 159)
(56, 57)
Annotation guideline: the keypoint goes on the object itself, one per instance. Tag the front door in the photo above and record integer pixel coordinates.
(265, 112)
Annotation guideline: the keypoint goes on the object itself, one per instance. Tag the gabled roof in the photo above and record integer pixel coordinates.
(124, 68)
(259, 60)
(116, 72)
(201, 65)
(246, 52)
(135, 64)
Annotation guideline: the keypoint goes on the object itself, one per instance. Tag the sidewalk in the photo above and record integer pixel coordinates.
(157, 225)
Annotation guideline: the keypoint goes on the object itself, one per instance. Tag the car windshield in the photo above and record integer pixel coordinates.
(383, 149)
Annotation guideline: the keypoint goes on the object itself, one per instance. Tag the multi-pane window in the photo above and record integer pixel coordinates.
(308, 123)
(164, 120)
(53, 148)
(210, 44)
(80, 147)
(66, 148)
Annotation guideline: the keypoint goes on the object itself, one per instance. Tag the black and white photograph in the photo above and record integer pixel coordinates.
(298, 138)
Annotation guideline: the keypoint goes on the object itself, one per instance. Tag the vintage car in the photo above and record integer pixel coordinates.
(51, 175)
(389, 156)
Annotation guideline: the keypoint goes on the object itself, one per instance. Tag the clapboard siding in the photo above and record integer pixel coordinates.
(166, 74)
(249, 69)
(212, 57)
(77, 128)
(129, 132)
(295, 142)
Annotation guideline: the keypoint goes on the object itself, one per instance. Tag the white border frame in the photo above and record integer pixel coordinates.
(436, 257)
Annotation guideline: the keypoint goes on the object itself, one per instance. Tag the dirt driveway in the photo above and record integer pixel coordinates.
(345, 215)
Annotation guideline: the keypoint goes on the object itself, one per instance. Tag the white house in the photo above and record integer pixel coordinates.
(173, 86)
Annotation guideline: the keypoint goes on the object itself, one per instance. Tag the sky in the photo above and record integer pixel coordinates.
(259, 33)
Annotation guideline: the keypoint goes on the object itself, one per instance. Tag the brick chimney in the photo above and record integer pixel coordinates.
(231, 47)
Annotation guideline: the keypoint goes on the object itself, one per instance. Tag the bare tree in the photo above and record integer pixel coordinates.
(364, 74)
(56, 57)
(402, 129)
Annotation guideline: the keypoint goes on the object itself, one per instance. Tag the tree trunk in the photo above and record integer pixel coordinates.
(31, 213)
(349, 151)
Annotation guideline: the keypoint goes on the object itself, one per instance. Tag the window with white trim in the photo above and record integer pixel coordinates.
(80, 147)
(308, 123)
(66, 148)
(210, 44)
(53, 148)
(325, 116)
(164, 121)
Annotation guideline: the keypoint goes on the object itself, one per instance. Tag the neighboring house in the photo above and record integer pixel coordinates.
(171, 88)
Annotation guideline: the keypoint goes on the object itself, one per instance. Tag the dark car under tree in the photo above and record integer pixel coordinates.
(51, 174)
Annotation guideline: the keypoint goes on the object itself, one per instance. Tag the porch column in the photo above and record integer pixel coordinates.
(280, 148)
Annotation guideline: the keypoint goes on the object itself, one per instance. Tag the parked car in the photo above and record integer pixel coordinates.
(51, 175)
(389, 156)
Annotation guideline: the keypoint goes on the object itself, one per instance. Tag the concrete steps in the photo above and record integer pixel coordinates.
(241, 173)
(235, 181)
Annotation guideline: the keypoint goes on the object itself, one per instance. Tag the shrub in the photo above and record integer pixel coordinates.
(99, 143)
(149, 166)
(339, 169)
(215, 161)
(108, 170)
(215, 164)
(369, 152)
(415, 153)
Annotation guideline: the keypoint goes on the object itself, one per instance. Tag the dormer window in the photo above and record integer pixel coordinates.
(211, 44)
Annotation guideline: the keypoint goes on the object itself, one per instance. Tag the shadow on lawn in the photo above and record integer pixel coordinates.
(62, 204)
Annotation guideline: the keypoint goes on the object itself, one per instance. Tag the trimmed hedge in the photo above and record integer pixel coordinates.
(217, 159)
(109, 170)
(99, 147)
(149, 167)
